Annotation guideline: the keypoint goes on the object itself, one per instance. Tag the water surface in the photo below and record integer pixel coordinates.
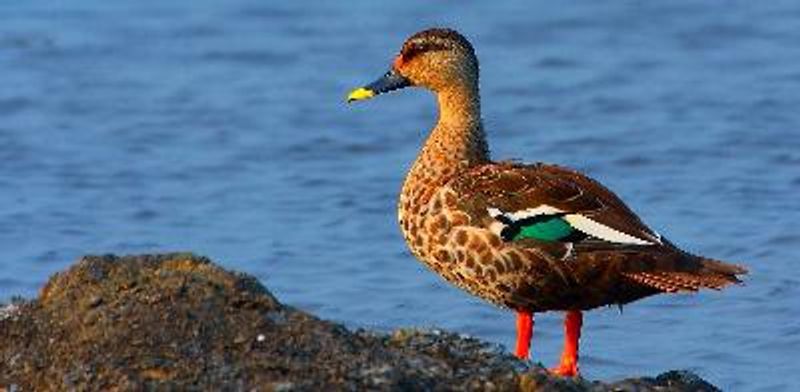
(220, 128)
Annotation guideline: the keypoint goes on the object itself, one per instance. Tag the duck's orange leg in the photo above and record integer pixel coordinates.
(524, 334)
(572, 333)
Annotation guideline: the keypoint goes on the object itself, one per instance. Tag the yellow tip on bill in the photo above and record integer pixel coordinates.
(360, 94)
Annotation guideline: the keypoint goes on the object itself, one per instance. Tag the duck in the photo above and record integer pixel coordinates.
(532, 237)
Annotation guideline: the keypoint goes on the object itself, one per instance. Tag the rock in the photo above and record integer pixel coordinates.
(177, 321)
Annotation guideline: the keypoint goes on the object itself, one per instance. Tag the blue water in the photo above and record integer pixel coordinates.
(220, 127)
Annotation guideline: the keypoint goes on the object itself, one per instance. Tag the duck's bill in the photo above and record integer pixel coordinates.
(391, 81)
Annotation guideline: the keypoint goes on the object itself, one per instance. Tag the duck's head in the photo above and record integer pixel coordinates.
(436, 59)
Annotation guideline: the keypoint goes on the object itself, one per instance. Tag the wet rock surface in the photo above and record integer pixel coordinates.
(178, 321)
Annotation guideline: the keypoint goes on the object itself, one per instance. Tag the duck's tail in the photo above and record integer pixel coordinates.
(695, 273)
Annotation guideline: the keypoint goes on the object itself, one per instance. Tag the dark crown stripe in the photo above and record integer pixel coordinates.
(433, 40)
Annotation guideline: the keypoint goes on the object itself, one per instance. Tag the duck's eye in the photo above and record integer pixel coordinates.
(413, 50)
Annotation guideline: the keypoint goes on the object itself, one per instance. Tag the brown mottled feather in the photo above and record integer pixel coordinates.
(539, 275)
(514, 187)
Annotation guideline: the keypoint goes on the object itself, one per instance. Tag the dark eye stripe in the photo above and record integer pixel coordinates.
(415, 49)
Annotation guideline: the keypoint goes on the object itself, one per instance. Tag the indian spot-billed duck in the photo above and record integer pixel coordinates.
(528, 237)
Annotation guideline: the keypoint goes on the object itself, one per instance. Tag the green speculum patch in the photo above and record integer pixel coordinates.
(552, 228)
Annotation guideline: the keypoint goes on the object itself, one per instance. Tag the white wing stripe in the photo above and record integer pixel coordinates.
(543, 209)
(602, 231)
(494, 212)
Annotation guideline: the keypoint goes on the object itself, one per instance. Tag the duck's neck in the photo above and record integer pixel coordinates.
(458, 140)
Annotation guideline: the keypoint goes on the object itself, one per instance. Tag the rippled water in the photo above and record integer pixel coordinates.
(219, 127)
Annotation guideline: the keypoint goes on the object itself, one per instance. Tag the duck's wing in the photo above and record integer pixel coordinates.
(548, 203)
(563, 213)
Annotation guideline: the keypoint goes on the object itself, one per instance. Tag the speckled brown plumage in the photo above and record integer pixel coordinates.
(449, 232)
(455, 201)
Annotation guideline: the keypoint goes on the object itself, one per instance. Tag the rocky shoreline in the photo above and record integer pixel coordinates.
(178, 321)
